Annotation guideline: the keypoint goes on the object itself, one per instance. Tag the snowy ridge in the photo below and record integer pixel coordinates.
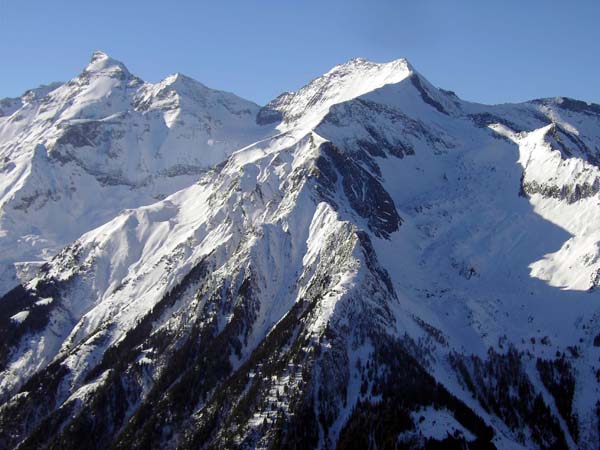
(77, 154)
(342, 83)
(372, 247)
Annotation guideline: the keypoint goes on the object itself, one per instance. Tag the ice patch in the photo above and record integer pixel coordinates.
(20, 317)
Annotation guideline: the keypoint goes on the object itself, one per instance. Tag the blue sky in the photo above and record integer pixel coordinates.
(485, 51)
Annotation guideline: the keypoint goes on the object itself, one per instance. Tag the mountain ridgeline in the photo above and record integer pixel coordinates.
(367, 263)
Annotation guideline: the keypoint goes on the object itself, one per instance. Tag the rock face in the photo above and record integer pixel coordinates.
(379, 265)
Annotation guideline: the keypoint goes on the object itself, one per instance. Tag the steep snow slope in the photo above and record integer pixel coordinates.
(394, 267)
(74, 155)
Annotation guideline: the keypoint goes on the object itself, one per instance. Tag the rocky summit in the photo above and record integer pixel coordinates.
(367, 263)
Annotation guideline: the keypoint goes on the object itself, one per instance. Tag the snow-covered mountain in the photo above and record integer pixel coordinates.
(74, 155)
(380, 264)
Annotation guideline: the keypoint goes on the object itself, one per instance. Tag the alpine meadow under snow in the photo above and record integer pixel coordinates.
(368, 262)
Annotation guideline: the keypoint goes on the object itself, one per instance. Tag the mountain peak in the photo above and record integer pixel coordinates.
(362, 64)
(102, 62)
(39, 92)
(180, 80)
(343, 82)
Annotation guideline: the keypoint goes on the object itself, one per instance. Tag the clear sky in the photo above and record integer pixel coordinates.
(487, 51)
